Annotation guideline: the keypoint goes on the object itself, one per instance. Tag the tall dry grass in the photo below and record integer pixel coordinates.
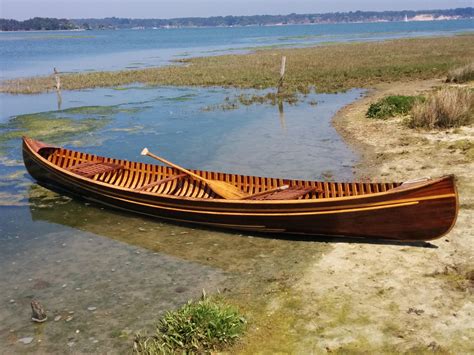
(445, 108)
(462, 74)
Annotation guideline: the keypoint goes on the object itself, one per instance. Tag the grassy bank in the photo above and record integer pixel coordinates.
(329, 68)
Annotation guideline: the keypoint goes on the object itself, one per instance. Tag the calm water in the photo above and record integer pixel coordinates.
(73, 255)
(26, 54)
(103, 275)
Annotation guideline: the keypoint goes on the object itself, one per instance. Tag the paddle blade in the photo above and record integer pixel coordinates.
(226, 190)
(144, 151)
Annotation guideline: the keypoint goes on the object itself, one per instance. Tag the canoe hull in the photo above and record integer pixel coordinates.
(423, 212)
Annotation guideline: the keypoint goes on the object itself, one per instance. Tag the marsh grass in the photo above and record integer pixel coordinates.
(461, 75)
(391, 106)
(329, 68)
(445, 108)
(197, 327)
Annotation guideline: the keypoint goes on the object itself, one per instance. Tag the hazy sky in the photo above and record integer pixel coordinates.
(23, 9)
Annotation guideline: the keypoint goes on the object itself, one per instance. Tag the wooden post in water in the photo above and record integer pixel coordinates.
(282, 73)
(58, 88)
(58, 79)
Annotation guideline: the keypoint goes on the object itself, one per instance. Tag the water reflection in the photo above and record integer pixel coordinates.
(282, 115)
(59, 99)
(229, 251)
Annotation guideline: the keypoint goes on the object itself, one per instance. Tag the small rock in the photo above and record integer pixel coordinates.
(71, 343)
(78, 288)
(70, 318)
(26, 340)
(91, 308)
(77, 331)
(95, 341)
(57, 318)
(141, 229)
(64, 286)
(113, 270)
(12, 301)
(71, 312)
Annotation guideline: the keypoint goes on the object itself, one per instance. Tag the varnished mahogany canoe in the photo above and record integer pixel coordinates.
(411, 211)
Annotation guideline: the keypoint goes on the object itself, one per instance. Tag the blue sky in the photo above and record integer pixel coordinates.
(23, 9)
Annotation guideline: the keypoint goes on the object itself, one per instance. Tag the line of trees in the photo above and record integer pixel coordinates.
(38, 23)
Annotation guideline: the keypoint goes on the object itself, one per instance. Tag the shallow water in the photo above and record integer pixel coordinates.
(72, 255)
(36, 53)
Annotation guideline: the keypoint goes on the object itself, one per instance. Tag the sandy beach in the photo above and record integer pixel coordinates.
(386, 297)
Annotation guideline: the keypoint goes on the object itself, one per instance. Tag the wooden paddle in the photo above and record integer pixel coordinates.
(223, 189)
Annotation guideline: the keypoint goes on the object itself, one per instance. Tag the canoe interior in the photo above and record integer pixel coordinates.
(158, 179)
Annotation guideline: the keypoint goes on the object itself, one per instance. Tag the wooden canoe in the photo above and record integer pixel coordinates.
(419, 210)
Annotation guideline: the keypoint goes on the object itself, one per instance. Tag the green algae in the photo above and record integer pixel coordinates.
(100, 110)
(59, 127)
(182, 98)
(49, 128)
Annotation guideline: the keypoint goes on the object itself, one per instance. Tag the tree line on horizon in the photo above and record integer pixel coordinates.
(39, 23)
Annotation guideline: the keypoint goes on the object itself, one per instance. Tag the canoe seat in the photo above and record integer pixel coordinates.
(90, 169)
(291, 193)
(160, 182)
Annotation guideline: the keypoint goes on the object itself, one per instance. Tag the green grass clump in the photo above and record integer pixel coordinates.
(197, 327)
(391, 106)
(445, 108)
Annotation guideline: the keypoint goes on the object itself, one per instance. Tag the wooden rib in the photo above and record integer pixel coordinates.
(368, 187)
(347, 189)
(326, 189)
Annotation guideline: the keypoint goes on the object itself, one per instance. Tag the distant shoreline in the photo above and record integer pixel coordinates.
(234, 26)
(38, 23)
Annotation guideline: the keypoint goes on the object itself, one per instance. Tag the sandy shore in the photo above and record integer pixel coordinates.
(388, 297)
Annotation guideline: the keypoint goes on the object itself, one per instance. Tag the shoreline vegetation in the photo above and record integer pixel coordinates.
(326, 68)
(42, 23)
